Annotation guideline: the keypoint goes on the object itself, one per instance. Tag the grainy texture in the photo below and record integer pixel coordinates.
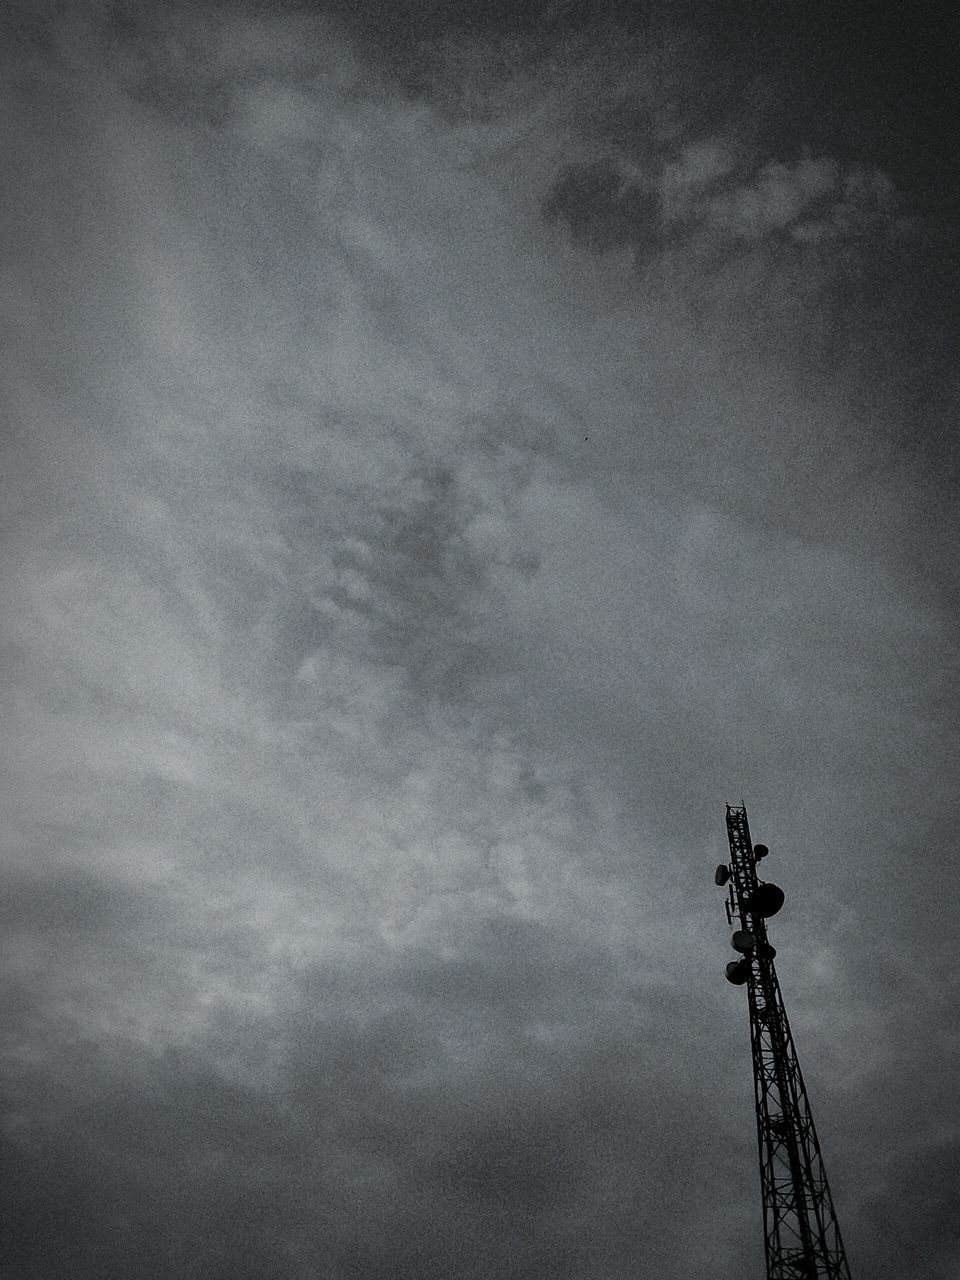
(446, 460)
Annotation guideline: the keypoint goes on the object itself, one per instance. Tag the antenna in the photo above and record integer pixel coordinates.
(800, 1229)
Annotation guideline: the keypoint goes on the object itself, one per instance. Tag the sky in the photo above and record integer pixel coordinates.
(447, 458)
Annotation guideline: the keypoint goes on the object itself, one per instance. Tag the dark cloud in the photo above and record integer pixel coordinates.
(453, 453)
(405, 1130)
(603, 211)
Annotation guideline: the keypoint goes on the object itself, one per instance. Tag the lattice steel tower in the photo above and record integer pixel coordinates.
(800, 1229)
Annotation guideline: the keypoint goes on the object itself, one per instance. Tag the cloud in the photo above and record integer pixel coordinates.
(397, 587)
(411, 1122)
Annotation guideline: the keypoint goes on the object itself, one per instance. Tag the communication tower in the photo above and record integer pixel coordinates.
(800, 1229)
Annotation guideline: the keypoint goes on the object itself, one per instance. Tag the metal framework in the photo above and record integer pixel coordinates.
(800, 1229)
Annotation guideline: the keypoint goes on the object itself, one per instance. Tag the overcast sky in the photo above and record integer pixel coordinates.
(444, 461)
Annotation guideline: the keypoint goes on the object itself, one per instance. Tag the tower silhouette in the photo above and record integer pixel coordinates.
(800, 1229)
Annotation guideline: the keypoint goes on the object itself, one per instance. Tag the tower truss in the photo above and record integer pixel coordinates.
(800, 1229)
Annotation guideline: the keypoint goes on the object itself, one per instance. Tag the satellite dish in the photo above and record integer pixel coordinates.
(766, 900)
(722, 874)
(743, 941)
(765, 951)
(760, 851)
(738, 971)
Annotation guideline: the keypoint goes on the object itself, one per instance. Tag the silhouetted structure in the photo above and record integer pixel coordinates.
(800, 1229)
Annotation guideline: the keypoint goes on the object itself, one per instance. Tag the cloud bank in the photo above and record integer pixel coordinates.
(431, 491)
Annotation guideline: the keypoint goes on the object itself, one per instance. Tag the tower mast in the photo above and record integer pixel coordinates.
(800, 1229)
